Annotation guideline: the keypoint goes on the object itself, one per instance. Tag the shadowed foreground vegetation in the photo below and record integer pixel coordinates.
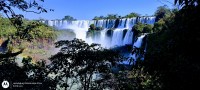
(170, 63)
(78, 63)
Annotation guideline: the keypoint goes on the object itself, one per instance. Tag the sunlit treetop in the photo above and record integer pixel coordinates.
(7, 7)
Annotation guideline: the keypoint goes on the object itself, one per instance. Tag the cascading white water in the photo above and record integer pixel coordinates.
(121, 35)
(80, 28)
(138, 43)
(122, 23)
(128, 39)
(118, 38)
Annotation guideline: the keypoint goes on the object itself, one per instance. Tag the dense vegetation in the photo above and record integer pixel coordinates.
(42, 38)
(172, 45)
(69, 18)
(7, 29)
(171, 61)
(172, 50)
(109, 16)
(116, 16)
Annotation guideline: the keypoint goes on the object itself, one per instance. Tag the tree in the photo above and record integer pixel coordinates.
(186, 3)
(161, 12)
(92, 27)
(158, 26)
(23, 31)
(98, 18)
(112, 16)
(131, 15)
(79, 61)
(172, 52)
(69, 18)
(147, 28)
(9, 70)
(137, 29)
(6, 6)
(29, 72)
(135, 79)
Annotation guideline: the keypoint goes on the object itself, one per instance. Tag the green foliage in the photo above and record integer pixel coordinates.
(138, 27)
(171, 61)
(79, 60)
(8, 5)
(6, 28)
(163, 22)
(115, 16)
(16, 20)
(142, 28)
(131, 15)
(15, 27)
(161, 12)
(38, 30)
(69, 18)
(172, 50)
(147, 28)
(76, 64)
(158, 26)
(41, 37)
(109, 16)
(94, 31)
(112, 16)
(44, 31)
(92, 27)
(136, 79)
(99, 18)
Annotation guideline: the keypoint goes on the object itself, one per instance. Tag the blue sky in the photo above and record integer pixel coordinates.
(87, 9)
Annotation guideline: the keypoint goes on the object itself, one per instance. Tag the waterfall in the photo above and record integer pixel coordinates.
(105, 23)
(122, 23)
(138, 43)
(115, 33)
(119, 36)
(128, 39)
(117, 39)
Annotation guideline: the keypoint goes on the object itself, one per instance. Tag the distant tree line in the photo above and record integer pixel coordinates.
(160, 13)
(115, 16)
(69, 18)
